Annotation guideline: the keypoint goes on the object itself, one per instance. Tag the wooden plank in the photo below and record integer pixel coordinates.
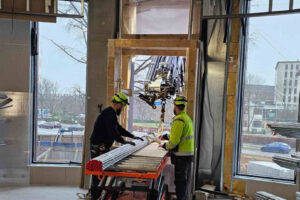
(196, 19)
(154, 52)
(237, 186)
(195, 36)
(152, 150)
(125, 85)
(110, 71)
(191, 60)
(28, 17)
(155, 43)
(128, 18)
(155, 36)
(35, 7)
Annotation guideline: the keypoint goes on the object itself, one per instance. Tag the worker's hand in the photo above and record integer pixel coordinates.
(138, 138)
(163, 145)
(131, 143)
(164, 137)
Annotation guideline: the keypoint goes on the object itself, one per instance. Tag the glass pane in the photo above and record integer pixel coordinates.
(296, 4)
(148, 81)
(256, 6)
(280, 5)
(60, 113)
(271, 92)
(156, 17)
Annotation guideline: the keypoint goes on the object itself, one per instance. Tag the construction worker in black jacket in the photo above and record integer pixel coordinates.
(106, 131)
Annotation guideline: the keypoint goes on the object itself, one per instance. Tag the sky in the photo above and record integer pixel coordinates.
(272, 39)
(54, 64)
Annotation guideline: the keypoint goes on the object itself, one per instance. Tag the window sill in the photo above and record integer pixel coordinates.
(268, 180)
(54, 165)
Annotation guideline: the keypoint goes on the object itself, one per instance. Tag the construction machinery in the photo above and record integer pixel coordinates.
(164, 79)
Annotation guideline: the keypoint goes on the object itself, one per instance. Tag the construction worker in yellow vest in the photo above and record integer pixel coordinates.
(181, 144)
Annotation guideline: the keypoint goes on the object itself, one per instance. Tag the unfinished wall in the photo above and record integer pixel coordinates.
(14, 121)
(102, 26)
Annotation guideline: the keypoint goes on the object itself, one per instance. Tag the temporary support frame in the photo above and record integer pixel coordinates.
(120, 51)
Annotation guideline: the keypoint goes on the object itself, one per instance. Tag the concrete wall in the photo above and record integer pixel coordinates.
(102, 26)
(55, 175)
(14, 55)
(15, 132)
(14, 121)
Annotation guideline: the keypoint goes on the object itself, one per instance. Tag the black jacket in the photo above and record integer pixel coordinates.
(107, 129)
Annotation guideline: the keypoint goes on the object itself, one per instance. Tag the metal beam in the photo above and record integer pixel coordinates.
(270, 5)
(247, 15)
(291, 6)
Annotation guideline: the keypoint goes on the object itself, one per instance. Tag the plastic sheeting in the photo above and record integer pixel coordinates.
(211, 133)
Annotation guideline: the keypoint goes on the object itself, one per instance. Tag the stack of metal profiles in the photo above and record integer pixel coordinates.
(291, 130)
(297, 195)
(261, 195)
(137, 163)
(108, 159)
(287, 161)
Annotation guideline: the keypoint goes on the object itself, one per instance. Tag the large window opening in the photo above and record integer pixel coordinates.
(60, 88)
(270, 93)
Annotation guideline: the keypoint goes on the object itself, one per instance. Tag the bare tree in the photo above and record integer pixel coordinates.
(47, 94)
(79, 98)
(78, 25)
(252, 97)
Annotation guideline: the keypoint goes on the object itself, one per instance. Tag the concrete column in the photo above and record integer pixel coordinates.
(103, 24)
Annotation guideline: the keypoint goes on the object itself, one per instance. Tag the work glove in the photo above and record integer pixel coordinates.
(164, 137)
(131, 143)
(163, 146)
(138, 138)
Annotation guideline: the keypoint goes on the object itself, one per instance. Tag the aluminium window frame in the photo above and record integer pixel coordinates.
(34, 89)
(236, 174)
(33, 85)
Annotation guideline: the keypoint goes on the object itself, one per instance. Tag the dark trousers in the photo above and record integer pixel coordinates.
(182, 166)
(96, 150)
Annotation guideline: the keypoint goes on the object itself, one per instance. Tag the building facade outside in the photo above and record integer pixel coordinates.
(287, 84)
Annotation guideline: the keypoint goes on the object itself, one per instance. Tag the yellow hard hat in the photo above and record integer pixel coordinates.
(120, 98)
(180, 100)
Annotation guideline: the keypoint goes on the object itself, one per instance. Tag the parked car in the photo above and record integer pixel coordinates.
(57, 124)
(47, 125)
(76, 127)
(63, 130)
(50, 125)
(41, 122)
(276, 147)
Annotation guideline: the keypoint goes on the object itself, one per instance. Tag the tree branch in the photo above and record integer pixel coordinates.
(68, 53)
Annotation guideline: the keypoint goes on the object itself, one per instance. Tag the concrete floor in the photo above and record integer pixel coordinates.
(40, 193)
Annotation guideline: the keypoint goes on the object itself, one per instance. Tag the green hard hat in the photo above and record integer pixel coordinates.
(120, 98)
(180, 100)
